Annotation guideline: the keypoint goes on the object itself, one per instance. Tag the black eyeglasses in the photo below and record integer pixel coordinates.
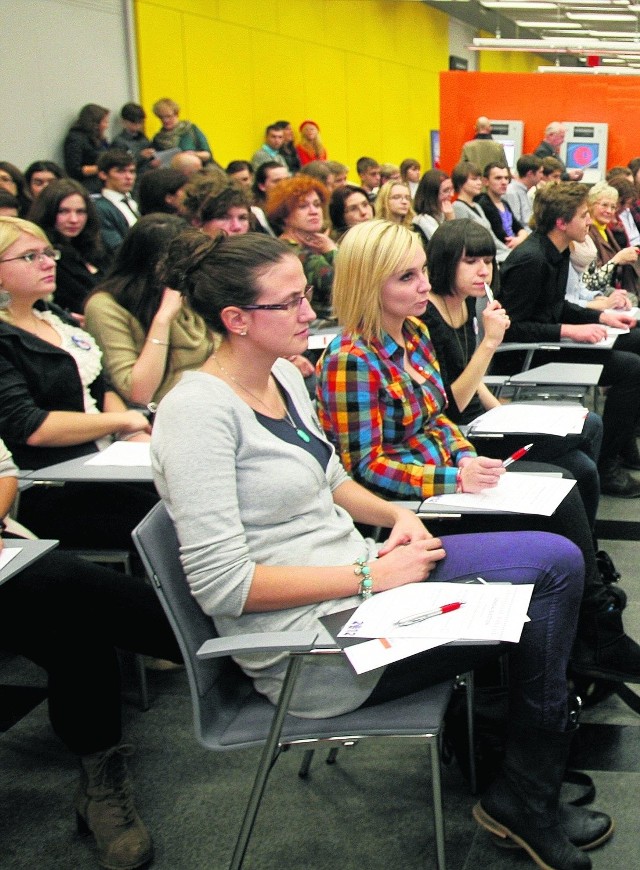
(36, 256)
(283, 306)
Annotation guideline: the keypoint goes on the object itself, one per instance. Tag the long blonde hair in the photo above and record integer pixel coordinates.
(369, 254)
(383, 210)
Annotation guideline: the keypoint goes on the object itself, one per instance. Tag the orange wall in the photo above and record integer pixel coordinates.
(537, 99)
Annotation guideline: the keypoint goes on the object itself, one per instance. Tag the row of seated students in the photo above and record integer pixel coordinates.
(52, 388)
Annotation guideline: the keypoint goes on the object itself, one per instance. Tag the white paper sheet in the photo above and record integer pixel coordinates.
(7, 554)
(491, 612)
(382, 651)
(123, 453)
(515, 493)
(549, 418)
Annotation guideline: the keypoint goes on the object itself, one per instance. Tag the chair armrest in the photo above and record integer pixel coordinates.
(268, 641)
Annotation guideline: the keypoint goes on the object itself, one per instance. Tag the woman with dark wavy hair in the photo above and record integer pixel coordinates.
(66, 213)
(83, 144)
(432, 203)
(147, 334)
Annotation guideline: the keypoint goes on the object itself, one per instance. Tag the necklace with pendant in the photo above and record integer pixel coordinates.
(456, 329)
(287, 416)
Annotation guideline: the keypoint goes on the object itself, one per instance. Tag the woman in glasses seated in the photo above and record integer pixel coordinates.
(268, 540)
(55, 404)
(393, 203)
(383, 404)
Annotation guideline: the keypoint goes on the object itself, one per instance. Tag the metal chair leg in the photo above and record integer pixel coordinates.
(438, 815)
(306, 764)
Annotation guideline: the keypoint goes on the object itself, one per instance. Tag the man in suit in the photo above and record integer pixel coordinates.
(483, 149)
(117, 210)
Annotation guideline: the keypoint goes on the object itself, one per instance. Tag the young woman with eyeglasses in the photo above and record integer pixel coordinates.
(268, 541)
(393, 203)
(54, 403)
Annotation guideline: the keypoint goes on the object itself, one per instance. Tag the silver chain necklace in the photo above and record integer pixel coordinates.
(287, 416)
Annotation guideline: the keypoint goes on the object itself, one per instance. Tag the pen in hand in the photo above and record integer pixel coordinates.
(488, 292)
(420, 617)
(517, 455)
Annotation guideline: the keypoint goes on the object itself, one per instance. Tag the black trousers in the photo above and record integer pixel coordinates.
(68, 616)
(87, 515)
(620, 373)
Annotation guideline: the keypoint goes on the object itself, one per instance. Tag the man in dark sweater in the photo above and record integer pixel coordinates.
(533, 281)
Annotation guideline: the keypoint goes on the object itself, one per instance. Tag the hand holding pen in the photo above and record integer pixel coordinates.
(479, 473)
(519, 454)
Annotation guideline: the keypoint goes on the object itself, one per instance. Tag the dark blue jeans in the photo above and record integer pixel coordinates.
(538, 663)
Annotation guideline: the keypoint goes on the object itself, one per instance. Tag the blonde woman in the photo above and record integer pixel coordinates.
(393, 203)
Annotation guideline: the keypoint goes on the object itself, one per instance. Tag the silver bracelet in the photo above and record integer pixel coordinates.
(158, 341)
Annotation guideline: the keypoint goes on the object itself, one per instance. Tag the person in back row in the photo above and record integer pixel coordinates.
(533, 284)
(117, 209)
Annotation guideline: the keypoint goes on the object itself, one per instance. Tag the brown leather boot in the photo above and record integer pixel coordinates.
(104, 808)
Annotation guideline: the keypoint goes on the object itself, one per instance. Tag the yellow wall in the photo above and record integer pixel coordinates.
(365, 70)
(509, 61)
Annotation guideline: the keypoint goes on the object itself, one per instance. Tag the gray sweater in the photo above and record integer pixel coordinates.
(241, 496)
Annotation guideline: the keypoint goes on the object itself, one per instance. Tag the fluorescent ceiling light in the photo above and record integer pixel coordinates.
(517, 4)
(614, 34)
(550, 25)
(599, 16)
(590, 70)
(623, 3)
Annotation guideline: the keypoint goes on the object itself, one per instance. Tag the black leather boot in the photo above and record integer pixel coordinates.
(585, 828)
(630, 456)
(603, 650)
(614, 480)
(523, 803)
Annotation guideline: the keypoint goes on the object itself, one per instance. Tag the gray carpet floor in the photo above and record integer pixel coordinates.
(371, 809)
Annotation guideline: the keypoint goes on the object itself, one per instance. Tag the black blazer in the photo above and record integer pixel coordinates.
(37, 377)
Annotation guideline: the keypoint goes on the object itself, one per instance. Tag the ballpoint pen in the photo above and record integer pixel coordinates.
(420, 617)
(517, 455)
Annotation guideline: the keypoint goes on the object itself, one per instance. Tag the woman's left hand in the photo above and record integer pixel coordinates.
(318, 242)
(407, 528)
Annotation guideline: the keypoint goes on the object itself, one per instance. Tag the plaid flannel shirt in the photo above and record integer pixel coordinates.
(390, 432)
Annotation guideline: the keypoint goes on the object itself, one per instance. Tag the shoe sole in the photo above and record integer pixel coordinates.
(587, 847)
(490, 824)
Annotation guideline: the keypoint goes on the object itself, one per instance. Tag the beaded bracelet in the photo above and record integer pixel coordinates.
(362, 570)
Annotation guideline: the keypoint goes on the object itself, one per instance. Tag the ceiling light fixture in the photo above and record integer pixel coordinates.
(550, 25)
(599, 16)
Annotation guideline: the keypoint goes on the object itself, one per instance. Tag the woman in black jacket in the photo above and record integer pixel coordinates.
(83, 143)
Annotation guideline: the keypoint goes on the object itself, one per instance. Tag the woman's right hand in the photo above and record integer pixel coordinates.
(410, 563)
(480, 473)
(496, 322)
(625, 256)
(170, 305)
(132, 421)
